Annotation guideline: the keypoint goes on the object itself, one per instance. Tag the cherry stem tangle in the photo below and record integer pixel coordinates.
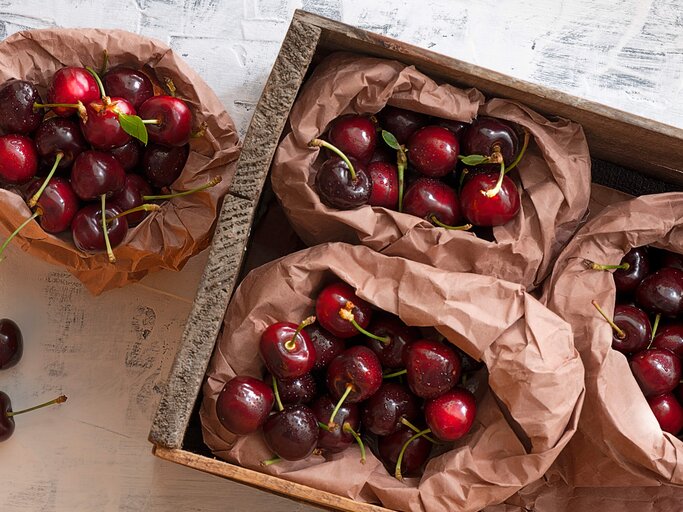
(34, 199)
(620, 334)
(324, 144)
(412, 427)
(141, 208)
(59, 400)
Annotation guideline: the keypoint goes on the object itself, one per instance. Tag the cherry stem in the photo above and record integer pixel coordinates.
(269, 462)
(323, 426)
(395, 374)
(654, 328)
(331, 424)
(461, 181)
(397, 472)
(105, 230)
(276, 391)
(436, 221)
(415, 429)
(291, 344)
(54, 105)
(34, 200)
(59, 400)
(324, 144)
(347, 315)
(349, 430)
(591, 265)
(494, 191)
(141, 208)
(151, 121)
(170, 86)
(105, 61)
(401, 164)
(16, 231)
(97, 79)
(521, 153)
(620, 334)
(215, 181)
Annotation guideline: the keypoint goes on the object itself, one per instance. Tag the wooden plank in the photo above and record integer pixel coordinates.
(291, 490)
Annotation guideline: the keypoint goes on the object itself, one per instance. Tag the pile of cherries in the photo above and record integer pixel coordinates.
(451, 171)
(648, 327)
(345, 373)
(93, 148)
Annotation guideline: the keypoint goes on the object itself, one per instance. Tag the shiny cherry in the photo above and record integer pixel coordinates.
(457, 127)
(383, 153)
(635, 326)
(627, 280)
(355, 136)
(71, 85)
(668, 411)
(131, 196)
(132, 85)
(451, 415)
(292, 434)
(662, 292)
(102, 128)
(56, 135)
(432, 199)
(335, 297)
(383, 412)
(433, 151)
(95, 173)
(327, 345)
(163, 165)
(671, 259)
(173, 117)
(384, 190)
(129, 155)
(487, 136)
(57, 204)
(670, 337)
(401, 123)
(87, 232)
(390, 354)
(299, 390)
(336, 439)
(656, 371)
(337, 187)
(17, 114)
(287, 350)
(433, 368)
(414, 457)
(11, 343)
(482, 210)
(355, 374)
(18, 159)
(243, 405)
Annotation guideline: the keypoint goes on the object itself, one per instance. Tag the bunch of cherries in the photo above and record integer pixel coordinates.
(648, 328)
(11, 350)
(94, 147)
(451, 171)
(331, 378)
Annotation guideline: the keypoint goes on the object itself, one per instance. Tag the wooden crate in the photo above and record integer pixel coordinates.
(650, 153)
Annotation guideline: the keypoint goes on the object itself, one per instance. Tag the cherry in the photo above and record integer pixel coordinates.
(631, 330)
(384, 189)
(491, 137)
(401, 123)
(135, 188)
(388, 409)
(101, 126)
(292, 434)
(656, 371)
(433, 200)
(57, 205)
(485, 203)
(243, 405)
(11, 343)
(671, 259)
(327, 345)
(451, 415)
(670, 338)
(668, 412)
(399, 335)
(129, 155)
(168, 119)
(433, 368)
(163, 165)
(433, 151)
(383, 153)
(355, 136)
(337, 439)
(17, 113)
(457, 127)
(299, 390)
(339, 187)
(132, 85)
(414, 455)
(96, 173)
(7, 415)
(18, 159)
(335, 298)
(70, 85)
(56, 135)
(287, 350)
(87, 231)
(627, 280)
(662, 292)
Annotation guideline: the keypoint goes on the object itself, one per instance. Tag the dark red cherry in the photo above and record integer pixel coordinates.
(662, 292)
(433, 368)
(670, 337)
(174, 120)
(130, 196)
(357, 369)
(163, 165)
(384, 190)
(87, 232)
(243, 405)
(383, 153)
(451, 415)
(132, 85)
(335, 297)
(433, 151)
(56, 135)
(299, 390)
(7, 415)
(58, 204)
(382, 413)
(668, 411)
(355, 136)
(17, 114)
(427, 198)
(337, 439)
(95, 173)
(400, 335)
(671, 259)
(482, 210)
(627, 280)
(401, 123)
(336, 186)
(414, 457)
(292, 434)
(102, 128)
(129, 155)
(18, 159)
(71, 85)
(657, 371)
(327, 345)
(457, 127)
(635, 325)
(487, 135)
(286, 352)
(11, 344)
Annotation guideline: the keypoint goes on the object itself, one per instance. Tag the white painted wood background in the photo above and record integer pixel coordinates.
(91, 454)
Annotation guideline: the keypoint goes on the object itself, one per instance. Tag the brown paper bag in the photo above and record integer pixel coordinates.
(535, 375)
(555, 174)
(619, 443)
(165, 239)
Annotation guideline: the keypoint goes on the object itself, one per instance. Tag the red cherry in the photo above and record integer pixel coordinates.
(102, 128)
(327, 346)
(334, 298)
(11, 344)
(635, 326)
(132, 85)
(399, 334)
(87, 232)
(173, 120)
(434, 201)
(401, 123)
(243, 405)
(337, 439)
(96, 173)
(292, 433)
(662, 292)
(487, 136)
(131, 196)
(668, 412)
(657, 371)
(18, 159)
(128, 155)
(414, 456)
(384, 177)
(17, 114)
(670, 338)
(433, 368)
(57, 205)
(355, 136)
(433, 151)
(71, 85)
(383, 412)
(484, 210)
(287, 350)
(451, 415)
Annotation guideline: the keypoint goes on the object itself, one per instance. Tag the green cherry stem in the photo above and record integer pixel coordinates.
(324, 144)
(276, 391)
(331, 424)
(436, 221)
(59, 400)
(494, 191)
(38, 213)
(591, 265)
(349, 430)
(323, 426)
(620, 334)
(55, 105)
(525, 144)
(394, 374)
(397, 472)
(401, 164)
(141, 208)
(215, 181)
(105, 230)
(461, 180)
(654, 328)
(347, 315)
(291, 344)
(105, 61)
(151, 121)
(412, 427)
(100, 85)
(34, 199)
(270, 462)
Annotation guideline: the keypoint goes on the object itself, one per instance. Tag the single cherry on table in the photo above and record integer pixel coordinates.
(11, 343)
(7, 424)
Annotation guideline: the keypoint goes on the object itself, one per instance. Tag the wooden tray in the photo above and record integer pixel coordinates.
(633, 154)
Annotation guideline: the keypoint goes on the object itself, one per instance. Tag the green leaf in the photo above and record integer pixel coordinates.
(474, 159)
(390, 140)
(134, 127)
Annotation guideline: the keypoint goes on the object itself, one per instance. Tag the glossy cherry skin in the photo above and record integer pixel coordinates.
(636, 326)
(86, 228)
(17, 114)
(662, 292)
(130, 84)
(355, 136)
(357, 367)
(163, 165)
(336, 439)
(71, 85)
(243, 405)
(457, 127)
(280, 361)
(95, 173)
(58, 204)
(299, 390)
(482, 210)
(384, 190)
(427, 197)
(11, 343)
(383, 153)
(414, 457)
(451, 415)
(337, 189)
(400, 122)
(671, 259)
(130, 196)
(668, 411)
(6, 422)
(433, 151)
(657, 371)
(670, 337)
(56, 135)
(327, 345)
(433, 368)
(626, 281)
(18, 159)
(292, 434)
(400, 335)
(485, 134)
(102, 128)
(129, 155)
(334, 297)
(382, 413)
(175, 120)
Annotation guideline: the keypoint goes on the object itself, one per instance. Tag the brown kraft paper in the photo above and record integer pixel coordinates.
(534, 372)
(166, 239)
(554, 173)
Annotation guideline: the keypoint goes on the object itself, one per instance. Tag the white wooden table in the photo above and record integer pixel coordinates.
(91, 454)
